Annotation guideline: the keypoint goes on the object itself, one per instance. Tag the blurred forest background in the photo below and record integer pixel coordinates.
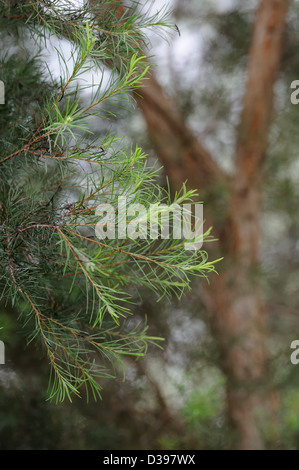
(216, 112)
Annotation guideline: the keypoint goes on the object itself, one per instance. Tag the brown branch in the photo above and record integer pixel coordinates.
(252, 139)
(264, 60)
(179, 150)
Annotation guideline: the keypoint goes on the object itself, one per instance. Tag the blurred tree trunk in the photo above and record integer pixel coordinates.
(233, 298)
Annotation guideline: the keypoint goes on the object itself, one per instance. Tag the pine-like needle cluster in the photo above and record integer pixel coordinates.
(75, 292)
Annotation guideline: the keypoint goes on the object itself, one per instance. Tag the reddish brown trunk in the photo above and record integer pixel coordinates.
(240, 322)
(234, 297)
(238, 319)
(254, 125)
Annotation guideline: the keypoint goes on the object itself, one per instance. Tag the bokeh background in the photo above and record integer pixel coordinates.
(224, 376)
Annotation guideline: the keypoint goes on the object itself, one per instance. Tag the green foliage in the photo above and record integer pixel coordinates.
(74, 293)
